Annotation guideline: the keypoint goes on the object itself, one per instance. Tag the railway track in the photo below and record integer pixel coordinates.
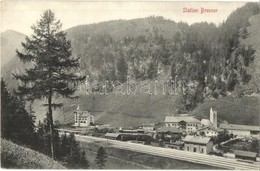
(210, 160)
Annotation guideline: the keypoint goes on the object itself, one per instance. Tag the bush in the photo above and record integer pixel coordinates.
(101, 158)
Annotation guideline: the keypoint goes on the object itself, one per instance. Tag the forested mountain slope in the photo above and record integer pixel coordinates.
(254, 40)
(246, 109)
(210, 63)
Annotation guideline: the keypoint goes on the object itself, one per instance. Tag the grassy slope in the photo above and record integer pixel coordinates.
(244, 110)
(117, 110)
(15, 156)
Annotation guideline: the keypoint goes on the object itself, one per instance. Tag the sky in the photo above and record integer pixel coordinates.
(21, 15)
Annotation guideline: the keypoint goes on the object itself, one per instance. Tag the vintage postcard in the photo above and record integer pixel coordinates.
(130, 85)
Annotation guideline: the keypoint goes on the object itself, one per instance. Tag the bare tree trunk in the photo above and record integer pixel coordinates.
(51, 122)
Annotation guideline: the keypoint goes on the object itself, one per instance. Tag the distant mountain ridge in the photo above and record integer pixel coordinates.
(118, 29)
(10, 40)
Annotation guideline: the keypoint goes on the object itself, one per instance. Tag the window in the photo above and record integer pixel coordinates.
(188, 148)
(201, 150)
(194, 149)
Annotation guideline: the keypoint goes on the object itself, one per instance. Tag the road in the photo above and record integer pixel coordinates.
(216, 161)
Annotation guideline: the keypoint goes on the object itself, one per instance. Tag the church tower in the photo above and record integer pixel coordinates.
(213, 117)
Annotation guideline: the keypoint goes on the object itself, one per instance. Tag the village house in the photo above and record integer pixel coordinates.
(198, 144)
(242, 130)
(208, 131)
(184, 122)
(148, 127)
(205, 123)
(113, 136)
(245, 155)
(175, 145)
(169, 133)
(83, 118)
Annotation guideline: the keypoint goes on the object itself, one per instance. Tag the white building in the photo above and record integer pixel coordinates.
(205, 123)
(83, 118)
(186, 123)
(208, 131)
(148, 127)
(242, 130)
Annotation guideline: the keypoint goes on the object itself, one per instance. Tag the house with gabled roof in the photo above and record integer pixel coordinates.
(147, 127)
(198, 144)
(113, 136)
(170, 133)
(205, 122)
(208, 131)
(245, 155)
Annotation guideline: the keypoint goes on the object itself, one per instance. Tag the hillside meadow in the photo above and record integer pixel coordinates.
(18, 157)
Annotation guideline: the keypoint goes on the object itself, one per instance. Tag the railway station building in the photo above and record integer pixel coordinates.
(198, 144)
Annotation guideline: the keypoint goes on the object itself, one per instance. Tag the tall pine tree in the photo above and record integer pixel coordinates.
(53, 69)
